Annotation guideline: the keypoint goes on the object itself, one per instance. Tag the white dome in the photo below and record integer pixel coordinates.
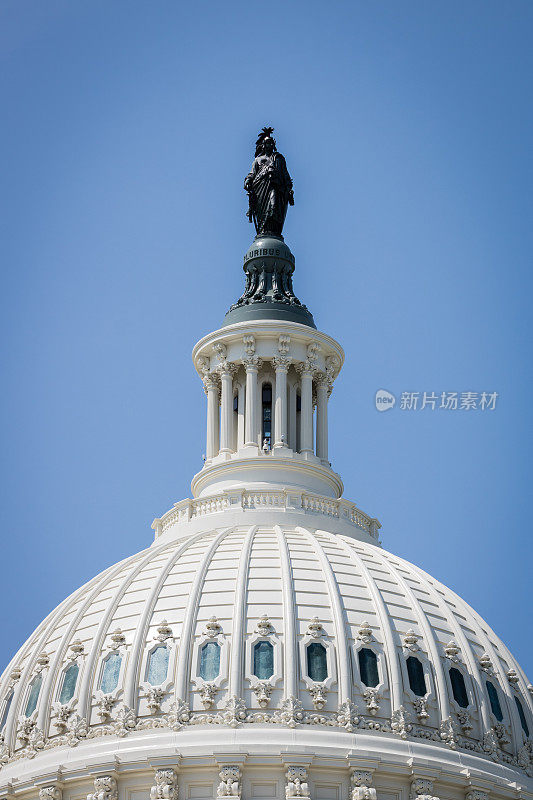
(309, 579)
(265, 646)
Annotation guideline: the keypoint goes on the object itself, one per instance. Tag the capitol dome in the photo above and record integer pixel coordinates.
(265, 645)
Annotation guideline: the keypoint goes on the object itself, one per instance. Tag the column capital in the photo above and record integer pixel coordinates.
(281, 363)
(227, 368)
(252, 363)
(306, 367)
(323, 379)
(210, 381)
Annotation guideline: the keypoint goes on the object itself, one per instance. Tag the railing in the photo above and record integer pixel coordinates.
(282, 500)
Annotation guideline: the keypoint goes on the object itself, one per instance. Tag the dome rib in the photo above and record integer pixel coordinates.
(443, 702)
(131, 694)
(100, 583)
(239, 631)
(191, 612)
(339, 619)
(48, 626)
(396, 686)
(466, 648)
(512, 712)
(291, 668)
(85, 694)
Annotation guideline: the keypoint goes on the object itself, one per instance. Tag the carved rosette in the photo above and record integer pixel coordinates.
(50, 793)
(371, 698)
(166, 785)
(208, 692)
(364, 634)
(410, 641)
(230, 781)
(296, 782)
(263, 691)
(361, 782)
(105, 788)
(422, 789)
(400, 724)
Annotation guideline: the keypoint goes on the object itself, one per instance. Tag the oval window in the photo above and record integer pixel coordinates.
(417, 679)
(111, 673)
(368, 667)
(7, 706)
(494, 701)
(317, 662)
(263, 660)
(521, 714)
(31, 705)
(209, 661)
(458, 687)
(158, 665)
(69, 684)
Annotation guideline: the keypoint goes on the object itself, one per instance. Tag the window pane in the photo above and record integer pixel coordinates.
(31, 705)
(7, 706)
(158, 665)
(267, 412)
(263, 660)
(368, 667)
(317, 664)
(494, 701)
(69, 683)
(209, 661)
(417, 680)
(523, 721)
(458, 687)
(111, 673)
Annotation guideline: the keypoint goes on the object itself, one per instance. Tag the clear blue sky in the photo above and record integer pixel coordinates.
(127, 130)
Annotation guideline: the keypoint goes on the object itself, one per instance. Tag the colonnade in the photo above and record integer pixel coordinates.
(237, 387)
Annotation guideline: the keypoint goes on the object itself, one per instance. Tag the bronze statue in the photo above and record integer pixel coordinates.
(269, 186)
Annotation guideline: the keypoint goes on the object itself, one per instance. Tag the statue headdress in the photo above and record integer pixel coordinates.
(265, 134)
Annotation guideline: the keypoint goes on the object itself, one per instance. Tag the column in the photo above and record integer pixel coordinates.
(251, 365)
(322, 418)
(292, 417)
(306, 421)
(226, 372)
(211, 389)
(281, 365)
(240, 416)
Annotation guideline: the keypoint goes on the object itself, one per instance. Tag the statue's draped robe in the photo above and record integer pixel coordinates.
(269, 185)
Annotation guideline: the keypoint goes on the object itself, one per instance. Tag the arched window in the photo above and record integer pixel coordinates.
(266, 397)
(209, 661)
(417, 679)
(494, 701)
(458, 687)
(368, 667)
(35, 688)
(263, 660)
(68, 687)
(7, 706)
(158, 665)
(111, 673)
(521, 714)
(317, 662)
